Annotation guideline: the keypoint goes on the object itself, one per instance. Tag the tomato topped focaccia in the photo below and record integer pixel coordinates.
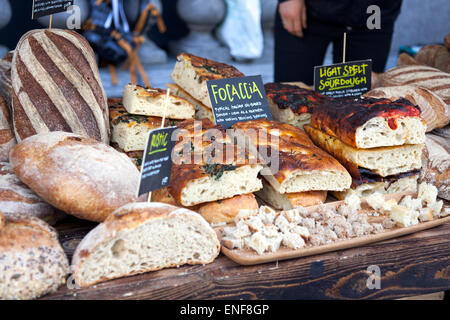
(292, 104)
(301, 165)
(191, 73)
(370, 122)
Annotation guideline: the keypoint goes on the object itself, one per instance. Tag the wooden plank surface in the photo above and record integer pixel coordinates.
(411, 265)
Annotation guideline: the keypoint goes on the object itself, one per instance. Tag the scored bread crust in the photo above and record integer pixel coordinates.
(128, 218)
(371, 122)
(192, 72)
(383, 161)
(302, 165)
(213, 167)
(7, 139)
(32, 260)
(78, 175)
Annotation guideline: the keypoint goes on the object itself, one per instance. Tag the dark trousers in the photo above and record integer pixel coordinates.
(295, 58)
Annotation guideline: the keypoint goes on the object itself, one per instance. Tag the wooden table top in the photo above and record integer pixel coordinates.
(410, 265)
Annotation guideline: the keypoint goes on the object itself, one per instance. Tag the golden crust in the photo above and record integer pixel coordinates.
(307, 198)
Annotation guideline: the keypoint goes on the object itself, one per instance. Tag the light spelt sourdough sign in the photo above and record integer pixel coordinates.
(238, 99)
(47, 7)
(339, 80)
(157, 161)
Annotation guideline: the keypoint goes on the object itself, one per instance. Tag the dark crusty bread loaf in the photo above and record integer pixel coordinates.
(433, 55)
(17, 198)
(78, 175)
(32, 262)
(7, 140)
(57, 87)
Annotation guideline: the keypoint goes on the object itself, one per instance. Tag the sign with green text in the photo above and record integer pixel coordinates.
(46, 7)
(238, 99)
(347, 79)
(157, 161)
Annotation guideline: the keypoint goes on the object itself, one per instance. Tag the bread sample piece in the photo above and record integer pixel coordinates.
(209, 167)
(151, 102)
(383, 161)
(78, 175)
(436, 169)
(7, 139)
(301, 165)
(191, 73)
(292, 104)
(433, 109)
(142, 237)
(201, 111)
(17, 198)
(130, 131)
(287, 201)
(420, 76)
(371, 122)
(57, 86)
(31, 259)
(433, 55)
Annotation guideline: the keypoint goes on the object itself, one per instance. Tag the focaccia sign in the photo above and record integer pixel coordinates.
(347, 79)
(47, 7)
(238, 99)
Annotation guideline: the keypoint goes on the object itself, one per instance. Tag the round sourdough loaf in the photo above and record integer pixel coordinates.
(32, 262)
(141, 237)
(56, 86)
(78, 175)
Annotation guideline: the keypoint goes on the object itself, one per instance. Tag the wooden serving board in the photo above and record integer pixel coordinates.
(250, 257)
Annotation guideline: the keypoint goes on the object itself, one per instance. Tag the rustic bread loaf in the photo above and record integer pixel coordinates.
(447, 41)
(7, 139)
(32, 262)
(433, 55)
(443, 132)
(151, 102)
(142, 237)
(17, 198)
(78, 175)
(5, 79)
(57, 87)
(420, 76)
(433, 109)
(436, 169)
(405, 59)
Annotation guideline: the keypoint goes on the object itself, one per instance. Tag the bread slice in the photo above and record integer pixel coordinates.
(191, 73)
(151, 102)
(32, 261)
(201, 111)
(371, 122)
(382, 161)
(130, 131)
(287, 201)
(296, 164)
(141, 237)
(405, 184)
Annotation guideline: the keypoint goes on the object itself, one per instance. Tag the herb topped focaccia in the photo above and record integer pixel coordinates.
(130, 131)
(191, 73)
(301, 165)
(292, 104)
(207, 166)
(370, 122)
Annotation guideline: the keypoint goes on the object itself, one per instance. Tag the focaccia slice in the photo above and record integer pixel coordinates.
(292, 104)
(201, 111)
(191, 73)
(301, 165)
(130, 131)
(150, 102)
(370, 122)
(208, 166)
(287, 201)
(383, 161)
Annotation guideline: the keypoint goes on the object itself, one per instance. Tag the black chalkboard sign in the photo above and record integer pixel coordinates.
(238, 99)
(46, 7)
(348, 79)
(157, 160)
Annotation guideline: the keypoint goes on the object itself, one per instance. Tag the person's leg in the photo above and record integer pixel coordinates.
(364, 44)
(295, 58)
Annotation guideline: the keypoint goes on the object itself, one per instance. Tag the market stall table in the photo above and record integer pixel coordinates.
(411, 265)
